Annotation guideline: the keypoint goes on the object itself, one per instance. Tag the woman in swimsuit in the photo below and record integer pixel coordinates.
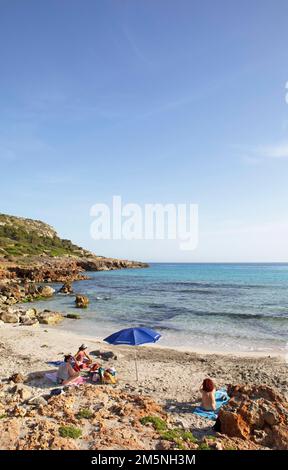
(82, 359)
(66, 373)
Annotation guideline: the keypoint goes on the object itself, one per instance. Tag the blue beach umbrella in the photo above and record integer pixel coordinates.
(133, 337)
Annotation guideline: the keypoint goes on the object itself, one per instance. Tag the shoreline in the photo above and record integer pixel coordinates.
(61, 341)
(181, 349)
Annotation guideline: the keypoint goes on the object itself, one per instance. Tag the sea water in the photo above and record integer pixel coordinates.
(209, 307)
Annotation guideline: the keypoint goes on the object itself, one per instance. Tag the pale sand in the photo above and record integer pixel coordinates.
(170, 376)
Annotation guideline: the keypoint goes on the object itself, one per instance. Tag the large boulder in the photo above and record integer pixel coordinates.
(81, 301)
(9, 317)
(256, 413)
(50, 318)
(29, 314)
(46, 291)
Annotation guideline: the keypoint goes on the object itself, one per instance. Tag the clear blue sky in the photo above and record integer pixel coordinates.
(157, 101)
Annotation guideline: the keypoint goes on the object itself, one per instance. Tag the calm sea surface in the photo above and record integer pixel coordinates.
(217, 307)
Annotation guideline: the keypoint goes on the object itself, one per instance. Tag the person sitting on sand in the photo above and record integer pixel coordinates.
(208, 402)
(82, 359)
(66, 373)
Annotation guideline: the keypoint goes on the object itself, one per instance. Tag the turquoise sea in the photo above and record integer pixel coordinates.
(211, 307)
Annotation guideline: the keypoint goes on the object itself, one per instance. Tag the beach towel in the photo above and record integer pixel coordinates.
(55, 363)
(221, 398)
(53, 377)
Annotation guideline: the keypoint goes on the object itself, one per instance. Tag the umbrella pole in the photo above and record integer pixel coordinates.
(136, 366)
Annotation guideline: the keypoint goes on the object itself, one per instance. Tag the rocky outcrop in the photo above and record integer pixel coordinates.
(256, 413)
(50, 318)
(31, 252)
(113, 421)
(9, 317)
(30, 317)
(81, 301)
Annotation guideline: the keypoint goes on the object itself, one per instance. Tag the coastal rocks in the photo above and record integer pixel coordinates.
(9, 294)
(22, 391)
(9, 317)
(9, 433)
(50, 318)
(30, 317)
(81, 301)
(46, 291)
(256, 413)
(73, 316)
(94, 263)
(67, 288)
(29, 322)
(31, 313)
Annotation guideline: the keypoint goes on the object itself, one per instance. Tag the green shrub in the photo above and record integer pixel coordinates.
(84, 413)
(158, 423)
(204, 446)
(16, 241)
(70, 431)
(178, 434)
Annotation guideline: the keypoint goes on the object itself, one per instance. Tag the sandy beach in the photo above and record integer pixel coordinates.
(171, 377)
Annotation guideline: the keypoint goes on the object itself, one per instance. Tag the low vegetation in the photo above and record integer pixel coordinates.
(24, 237)
(85, 413)
(158, 423)
(180, 437)
(70, 431)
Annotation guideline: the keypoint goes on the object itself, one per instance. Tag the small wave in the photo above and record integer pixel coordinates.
(172, 311)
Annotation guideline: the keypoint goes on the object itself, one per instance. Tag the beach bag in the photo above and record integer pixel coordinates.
(56, 391)
(109, 378)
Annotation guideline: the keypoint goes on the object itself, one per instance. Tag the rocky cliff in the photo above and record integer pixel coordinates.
(31, 250)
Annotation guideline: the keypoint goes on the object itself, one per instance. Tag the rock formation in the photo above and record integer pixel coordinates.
(256, 413)
(81, 301)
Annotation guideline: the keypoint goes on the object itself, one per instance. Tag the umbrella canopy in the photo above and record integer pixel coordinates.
(133, 336)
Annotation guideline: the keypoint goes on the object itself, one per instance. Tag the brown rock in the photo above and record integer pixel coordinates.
(81, 301)
(50, 318)
(17, 378)
(46, 291)
(9, 433)
(67, 288)
(9, 317)
(256, 413)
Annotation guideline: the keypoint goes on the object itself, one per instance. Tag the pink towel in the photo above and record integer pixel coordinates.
(53, 377)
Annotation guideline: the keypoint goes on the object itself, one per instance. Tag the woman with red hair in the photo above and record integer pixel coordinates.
(208, 395)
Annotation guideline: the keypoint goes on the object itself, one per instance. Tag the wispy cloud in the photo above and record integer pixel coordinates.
(255, 155)
(279, 150)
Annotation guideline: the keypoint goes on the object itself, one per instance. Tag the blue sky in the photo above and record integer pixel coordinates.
(159, 101)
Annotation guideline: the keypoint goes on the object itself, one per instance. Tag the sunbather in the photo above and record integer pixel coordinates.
(82, 359)
(66, 373)
(208, 389)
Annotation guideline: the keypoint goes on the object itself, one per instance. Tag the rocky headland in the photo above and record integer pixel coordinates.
(31, 252)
